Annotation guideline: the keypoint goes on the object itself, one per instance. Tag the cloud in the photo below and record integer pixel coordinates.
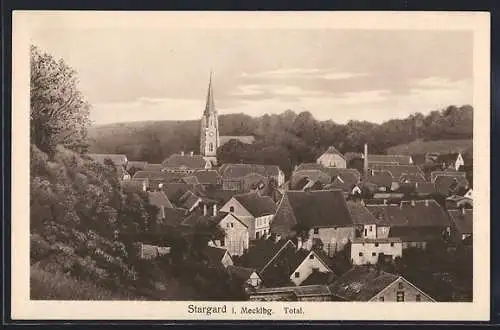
(303, 73)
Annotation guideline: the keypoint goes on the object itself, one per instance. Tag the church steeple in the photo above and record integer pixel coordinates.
(209, 137)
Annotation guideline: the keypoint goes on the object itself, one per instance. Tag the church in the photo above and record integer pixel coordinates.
(210, 140)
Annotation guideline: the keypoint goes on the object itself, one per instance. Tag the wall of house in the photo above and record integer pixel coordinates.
(332, 160)
(261, 226)
(410, 293)
(420, 245)
(316, 298)
(334, 239)
(281, 178)
(305, 269)
(254, 281)
(370, 231)
(237, 236)
(383, 231)
(238, 211)
(367, 253)
(231, 185)
(226, 260)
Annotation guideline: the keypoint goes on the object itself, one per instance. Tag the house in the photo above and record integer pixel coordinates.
(347, 180)
(398, 171)
(134, 186)
(368, 284)
(309, 262)
(190, 179)
(150, 251)
(160, 200)
(217, 257)
(389, 159)
(381, 179)
(414, 222)
(448, 185)
(137, 165)
(208, 177)
(254, 209)
(234, 172)
(370, 250)
(246, 277)
(116, 159)
(153, 167)
(366, 224)
(435, 174)
(297, 179)
(462, 223)
(457, 202)
(237, 238)
(452, 160)
(319, 215)
(292, 293)
(332, 158)
(185, 163)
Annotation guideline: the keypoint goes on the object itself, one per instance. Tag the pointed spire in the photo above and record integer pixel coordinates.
(210, 105)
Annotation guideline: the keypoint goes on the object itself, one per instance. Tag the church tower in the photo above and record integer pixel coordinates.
(209, 137)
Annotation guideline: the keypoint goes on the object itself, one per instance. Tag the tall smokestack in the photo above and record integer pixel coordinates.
(365, 162)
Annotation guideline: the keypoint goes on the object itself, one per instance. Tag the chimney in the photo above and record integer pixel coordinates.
(365, 162)
(191, 153)
(412, 202)
(426, 202)
(385, 201)
(299, 243)
(182, 153)
(463, 210)
(215, 210)
(277, 238)
(205, 211)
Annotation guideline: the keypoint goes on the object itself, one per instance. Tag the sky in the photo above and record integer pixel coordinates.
(136, 74)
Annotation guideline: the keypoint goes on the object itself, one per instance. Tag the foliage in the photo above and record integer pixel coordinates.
(59, 115)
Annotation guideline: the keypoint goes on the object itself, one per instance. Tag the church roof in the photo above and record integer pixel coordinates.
(210, 104)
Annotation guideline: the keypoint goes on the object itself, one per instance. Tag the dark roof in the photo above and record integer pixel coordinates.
(192, 180)
(397, 170)
(158, 198)
(261, 252)
(153, 167)
(360, 214)
(448, 185)
(389, 159)
(313, 175)
(322, 208)
(415, 234)
(140, 165)
(117, 159)
(184, 161)
(381, 179)
(257, 205)
(197, 217)
(214, 255)
(235, 171)
(448, 158)
(414, 177)
(319, 278)
(175, 190)
(345, 181)
(334, 151)
(188, 200)
(435, 174)
(240, 273)
(207, 176)
(158, 175)
(423, 213)
(174, 216)
(219, 195)
(309, 166)
(462, 221)
(425, 188)
(286, 262)
(361, 283)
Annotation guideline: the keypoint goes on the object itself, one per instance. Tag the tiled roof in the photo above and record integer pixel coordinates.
(188, 200)
(184, 161)
(175, 190)
(235, 171)
(319, 278)
(415, 234)
(221, 196)
(389, 159)
(197, 217)
(381, 179)
(309, 166)
(153, 167)
(240, 273)
(313, 175)
(334, 151)
(261, 252)
(191, 180)
(158, 198)
(257, 205)
(360, 214)
(117, 159)
(322, 208)
(435, 174)
(286, 262)
(448, 185)
(423, 213)
(397, 170)
(361, 283)
(462, 221)
(247, 139)
(207, 177)
(174, 216)
(140, 165)
(214, 255)
(158, 175)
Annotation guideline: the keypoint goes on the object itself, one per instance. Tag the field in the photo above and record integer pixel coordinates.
(440, 146)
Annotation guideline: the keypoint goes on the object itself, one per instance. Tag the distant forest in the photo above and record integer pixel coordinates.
(286, 139)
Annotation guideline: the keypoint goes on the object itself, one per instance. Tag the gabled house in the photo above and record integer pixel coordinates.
(217, 257)
(452, 161)
(368, 284)
(332, 158)
(185, 163)
(257, 211)
(321, 215)
(371, 250)
(248, 278)
(462, 223)
(237, 238)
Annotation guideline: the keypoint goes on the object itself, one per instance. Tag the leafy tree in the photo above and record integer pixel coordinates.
(58, 112)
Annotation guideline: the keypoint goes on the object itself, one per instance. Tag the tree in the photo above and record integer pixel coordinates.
(58, 112)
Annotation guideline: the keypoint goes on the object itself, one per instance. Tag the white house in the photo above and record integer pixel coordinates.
(312, 262)
(332, 158)
(368, 250)
(237, 235)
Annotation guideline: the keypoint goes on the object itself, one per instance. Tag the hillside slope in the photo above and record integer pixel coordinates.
(440, 146)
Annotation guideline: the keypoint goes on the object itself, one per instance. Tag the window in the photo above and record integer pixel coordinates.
(257, 235)
(373, 254)
(366, 232)
(370, 228)
(400, 296)
(361, 254)
(232, 225)
(400, 286)
(311, 256)
(418, 297)
(222, 243)
(297, 274)
(316, 230)
(211, 147)
(381, 299)
(227, 225)
(376, 244)
(392, 244)
(231, 209)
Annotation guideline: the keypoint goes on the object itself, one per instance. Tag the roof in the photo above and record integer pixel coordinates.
(332, 150)
(309, 166)
(319, 278)
(158, 198)
(285, 262)
(381, 179)
(247, 139)
(313, 175)
(389, 159)
(240, 273)
(207, 176)
(447, 158)
(117, 159)
(359, 240)
(360, 214)
(132, 186)
(435, 174)
(345, 181)
(446, 184)
(153, 167)
(221, 196)
(397, 170)
(299, 291)
(321, 208)
(423, 213)
(174, 216)
(462, 221)
(184, 161)
(415, 234)
(140, 165)
(261, 252)
(214, 255)
(188, 200)
(197, 217)
(158, 175)
(234, 171)
(361, 283)
(414, 177)
(425, 188)
(191, 179)
(175, 190)
(257, 205)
